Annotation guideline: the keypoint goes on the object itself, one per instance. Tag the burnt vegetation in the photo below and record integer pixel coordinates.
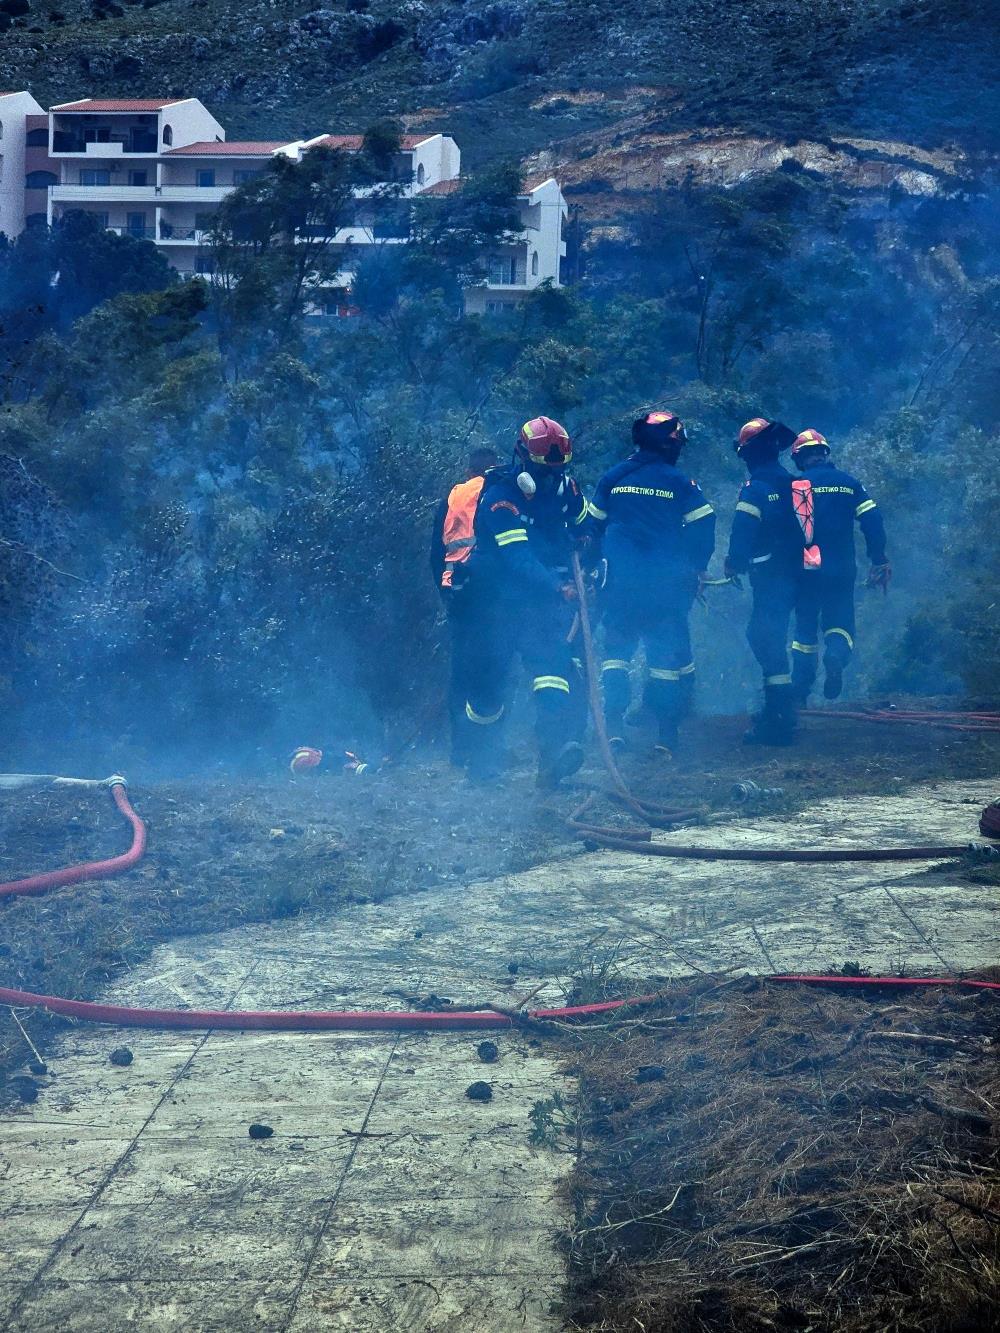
(758, 1158)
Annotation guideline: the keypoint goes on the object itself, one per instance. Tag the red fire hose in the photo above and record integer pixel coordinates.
(372, 1020)
(58, 879)
(403, 1021)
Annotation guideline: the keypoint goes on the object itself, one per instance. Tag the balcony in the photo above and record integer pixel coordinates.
(137, 144)
(173, 235)
(140, 194)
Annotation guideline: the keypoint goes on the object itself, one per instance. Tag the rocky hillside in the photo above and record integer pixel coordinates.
(520, 76)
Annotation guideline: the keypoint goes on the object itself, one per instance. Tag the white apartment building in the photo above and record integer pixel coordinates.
(157, 168)
(15, 108)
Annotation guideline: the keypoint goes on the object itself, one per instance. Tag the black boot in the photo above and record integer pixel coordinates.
(666, 745)
(614, 724)
(553, 767)
(775, 724)
(833, 679)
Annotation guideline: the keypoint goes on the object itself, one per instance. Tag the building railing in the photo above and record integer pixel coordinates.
(65, 141)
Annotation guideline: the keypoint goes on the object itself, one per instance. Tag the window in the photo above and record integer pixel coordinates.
(243, 174)
(502, 271)
(135, 224)
(534, 265)
(138, 177)
(421, 174)
(101, 219)
(1, 129)
(37, 139)
(40, 180)
(204, 264)
(168, 135)
(205, 178)
(94, 176)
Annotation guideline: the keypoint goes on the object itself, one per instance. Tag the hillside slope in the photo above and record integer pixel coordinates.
(912, 70)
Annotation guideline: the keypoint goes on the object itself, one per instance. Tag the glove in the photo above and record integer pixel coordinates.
(879, 576)
(568, 592)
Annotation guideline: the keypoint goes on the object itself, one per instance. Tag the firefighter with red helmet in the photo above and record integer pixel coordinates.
(831, 503)
(766, 542)
(452, 540)
(528, 517)
(657, 534)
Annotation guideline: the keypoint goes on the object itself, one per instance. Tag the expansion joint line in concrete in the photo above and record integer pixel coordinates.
(119, 1162)
(331, 1208)
(930, 944)
(762, 946)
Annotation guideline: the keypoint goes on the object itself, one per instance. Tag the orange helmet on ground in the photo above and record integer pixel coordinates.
(543, 441)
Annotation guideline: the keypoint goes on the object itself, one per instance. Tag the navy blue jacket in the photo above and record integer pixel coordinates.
(524, 544)
(840, 501)
(652, 519)
(765, 531)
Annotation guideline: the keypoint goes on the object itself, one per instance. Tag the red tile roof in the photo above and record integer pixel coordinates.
(120, 104)
(352, 142)
(230, 148)
(443, 187)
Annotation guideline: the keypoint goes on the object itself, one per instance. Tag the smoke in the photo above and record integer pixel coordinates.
(241, 521)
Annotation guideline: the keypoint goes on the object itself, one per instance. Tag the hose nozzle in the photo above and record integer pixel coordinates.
(749, 793)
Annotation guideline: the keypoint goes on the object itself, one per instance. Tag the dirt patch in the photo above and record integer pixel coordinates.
(804, 1159)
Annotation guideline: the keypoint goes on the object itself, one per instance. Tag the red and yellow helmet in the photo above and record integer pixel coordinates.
(543, 441)
(752, 428)
(808, 439)
(775, 434)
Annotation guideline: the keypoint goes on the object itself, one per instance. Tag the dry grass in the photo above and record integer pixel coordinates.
(806, 1159)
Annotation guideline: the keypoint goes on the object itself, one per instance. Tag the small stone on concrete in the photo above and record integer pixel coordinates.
(479, 1092)
(257, 1131)
(121, 1055)
(488, 1052)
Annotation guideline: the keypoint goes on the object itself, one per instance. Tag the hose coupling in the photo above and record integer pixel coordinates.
(749, 793)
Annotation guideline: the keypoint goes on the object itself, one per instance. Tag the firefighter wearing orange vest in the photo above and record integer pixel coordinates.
(828, 504)
(452, 540)
(529, 516)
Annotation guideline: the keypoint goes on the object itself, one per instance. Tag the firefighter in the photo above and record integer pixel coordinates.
(657, 534)
(832, 501)
(766, 542)
(451, 545)
(522, 601)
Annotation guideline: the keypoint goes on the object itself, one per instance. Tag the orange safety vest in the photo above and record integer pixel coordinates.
(804, 504)
(458, 536)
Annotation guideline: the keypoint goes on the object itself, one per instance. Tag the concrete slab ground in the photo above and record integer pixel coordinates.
(386, 1200)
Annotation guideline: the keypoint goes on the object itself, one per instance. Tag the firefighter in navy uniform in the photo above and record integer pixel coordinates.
(529, 516)
(451, 545)
(825, 596)
(767, 543)
(657, 533)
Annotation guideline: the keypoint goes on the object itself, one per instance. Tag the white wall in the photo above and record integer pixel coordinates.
(546, 207)
(440, 158)
(190, 122)
(13, 109)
